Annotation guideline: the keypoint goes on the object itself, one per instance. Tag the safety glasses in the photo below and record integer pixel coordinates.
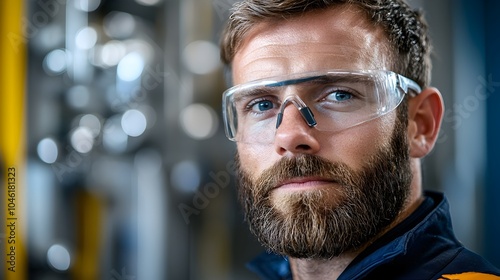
(328, 101)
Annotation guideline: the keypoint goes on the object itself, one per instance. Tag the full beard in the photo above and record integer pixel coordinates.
(326, 222)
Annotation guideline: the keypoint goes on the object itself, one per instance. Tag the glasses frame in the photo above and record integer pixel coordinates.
(403, 84)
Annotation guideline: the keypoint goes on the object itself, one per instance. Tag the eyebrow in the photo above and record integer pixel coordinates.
(322, 78)
(253, 92)
(270, 88)
(294, 81)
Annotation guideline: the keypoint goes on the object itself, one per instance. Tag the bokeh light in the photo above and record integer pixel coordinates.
(55, 62)
(82, 140)
(47, 150)
(148, 2)
(199, 121)
(119, 25)
(201, 57)
(134, 123)
(86, 38)
(130, 67)
(87, 5)
(112, 52)
(92, 123)
(58, 257)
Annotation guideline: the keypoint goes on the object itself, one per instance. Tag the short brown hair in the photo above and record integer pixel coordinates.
(405, 28)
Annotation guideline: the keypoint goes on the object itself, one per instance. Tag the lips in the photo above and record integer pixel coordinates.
(304, 183)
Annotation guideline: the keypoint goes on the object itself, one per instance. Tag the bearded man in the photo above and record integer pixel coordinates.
(332, 111)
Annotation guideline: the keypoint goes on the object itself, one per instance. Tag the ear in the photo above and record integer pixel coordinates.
(425, 113)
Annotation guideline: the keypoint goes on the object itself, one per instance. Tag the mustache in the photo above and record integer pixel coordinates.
(305, 165)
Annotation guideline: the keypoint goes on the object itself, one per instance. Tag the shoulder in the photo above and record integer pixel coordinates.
(468, 265)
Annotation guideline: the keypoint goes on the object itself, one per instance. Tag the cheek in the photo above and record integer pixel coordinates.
(256, 158)
(356, 145)
(353, 147)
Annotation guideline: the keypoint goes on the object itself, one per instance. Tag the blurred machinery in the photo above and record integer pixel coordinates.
(125, 163)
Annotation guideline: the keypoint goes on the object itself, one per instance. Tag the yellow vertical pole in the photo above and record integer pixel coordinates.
(89, 214)
(12, 138)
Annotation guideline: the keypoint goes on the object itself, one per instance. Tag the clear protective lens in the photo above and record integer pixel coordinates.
(329, 101)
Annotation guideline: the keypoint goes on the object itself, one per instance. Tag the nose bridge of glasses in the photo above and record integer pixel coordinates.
(305, 111)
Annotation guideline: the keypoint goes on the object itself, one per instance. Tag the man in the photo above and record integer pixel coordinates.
(332, 112)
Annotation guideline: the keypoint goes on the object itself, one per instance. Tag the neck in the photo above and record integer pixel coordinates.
(304, 269)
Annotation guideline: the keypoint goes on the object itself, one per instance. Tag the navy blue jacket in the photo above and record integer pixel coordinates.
(421, 247)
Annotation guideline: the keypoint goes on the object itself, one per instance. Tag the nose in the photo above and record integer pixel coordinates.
(303, 109)
(294, 135)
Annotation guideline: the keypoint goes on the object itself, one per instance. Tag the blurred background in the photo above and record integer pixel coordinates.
(123, 169)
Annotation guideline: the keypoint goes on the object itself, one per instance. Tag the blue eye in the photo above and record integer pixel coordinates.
(263, 105)
(339, 96)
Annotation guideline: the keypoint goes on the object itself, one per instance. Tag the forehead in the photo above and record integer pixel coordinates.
(336, 38)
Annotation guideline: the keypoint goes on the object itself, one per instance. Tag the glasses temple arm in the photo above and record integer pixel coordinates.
(406, 84)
